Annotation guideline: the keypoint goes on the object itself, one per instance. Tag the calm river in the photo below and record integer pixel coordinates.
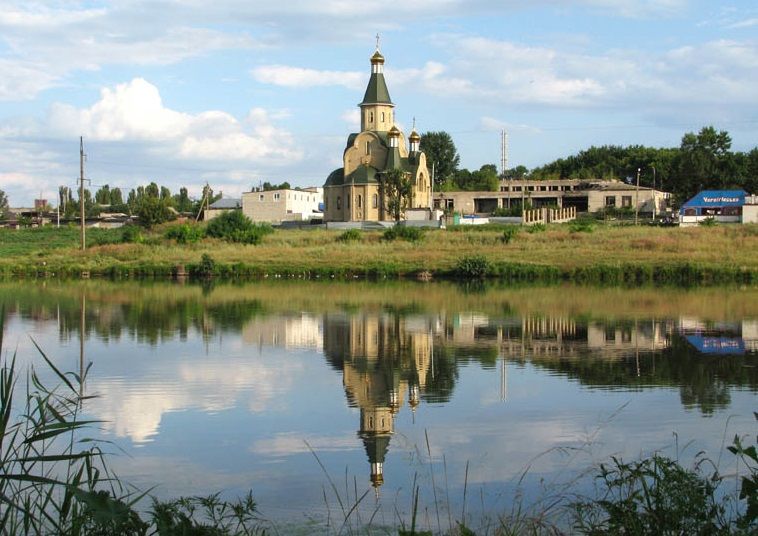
(284, 388)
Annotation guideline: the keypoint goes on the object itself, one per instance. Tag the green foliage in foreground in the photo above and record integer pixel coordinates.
(234, 226)
(351, 235)
(473, 267)
(402, 232)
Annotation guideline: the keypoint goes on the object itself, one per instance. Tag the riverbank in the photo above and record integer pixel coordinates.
(580, 253)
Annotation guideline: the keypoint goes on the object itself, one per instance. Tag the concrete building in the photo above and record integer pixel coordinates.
(585, 196)
(276, 206)
(355, 191)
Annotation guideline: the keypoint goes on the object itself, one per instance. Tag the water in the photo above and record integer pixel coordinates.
(288, 389)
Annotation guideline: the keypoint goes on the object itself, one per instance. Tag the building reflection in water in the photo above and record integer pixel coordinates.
(384, 360)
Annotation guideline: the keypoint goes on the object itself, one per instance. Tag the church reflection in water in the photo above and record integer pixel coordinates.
(384, 361)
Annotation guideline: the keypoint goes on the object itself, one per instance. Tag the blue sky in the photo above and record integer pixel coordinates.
(235, 92)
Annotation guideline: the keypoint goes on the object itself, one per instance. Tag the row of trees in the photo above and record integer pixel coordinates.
(152, 203)
(704, 160)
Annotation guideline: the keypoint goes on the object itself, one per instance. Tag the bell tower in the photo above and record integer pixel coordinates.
(377, 107)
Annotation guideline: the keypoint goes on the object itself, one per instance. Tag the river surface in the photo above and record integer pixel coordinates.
(316, 394)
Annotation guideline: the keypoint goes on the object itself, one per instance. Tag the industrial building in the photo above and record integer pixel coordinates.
(584, 195)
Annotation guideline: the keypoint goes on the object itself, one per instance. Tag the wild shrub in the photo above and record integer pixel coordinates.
(536, 228)
(132, 234)
(402, 232)
(509, 233)
(473, 267)
(234, 226)
(184, 233)
(254, 235)
(351, 235)
(708, 222)
(655, 495)
(227, 223)
(581, 226)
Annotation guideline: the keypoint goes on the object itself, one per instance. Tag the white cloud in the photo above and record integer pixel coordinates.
(287, 76)
(134, 111)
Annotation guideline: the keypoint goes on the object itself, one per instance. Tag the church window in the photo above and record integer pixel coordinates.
(360, 201)
(382, 117)
(339, 202)
(348, 201)
(371, 117)
(262, 197)
(375, 201)
(368, 147)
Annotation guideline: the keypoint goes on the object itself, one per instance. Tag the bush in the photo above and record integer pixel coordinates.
(254, 235)
(185, 233)
(536, 228)
(581, 226)
(708, 222)
(234, 226)
(401, 232)
(473, 267)
(132, 234)
(509, 233)
(350, 235)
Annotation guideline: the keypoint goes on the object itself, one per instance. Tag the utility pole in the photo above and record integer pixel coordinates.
(637, 198)
(81, 187)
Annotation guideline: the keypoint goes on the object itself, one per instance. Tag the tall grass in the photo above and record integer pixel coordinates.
(53, 480)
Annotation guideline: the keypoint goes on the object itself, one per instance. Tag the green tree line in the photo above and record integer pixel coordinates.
(703, 160)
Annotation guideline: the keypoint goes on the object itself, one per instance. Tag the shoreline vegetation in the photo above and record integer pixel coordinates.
(581, 252)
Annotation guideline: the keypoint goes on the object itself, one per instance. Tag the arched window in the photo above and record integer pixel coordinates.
(375, 201)
(368, 147)
(348, 201)
(339, 202)
(360, 201)
(371, 117)
(382, 117)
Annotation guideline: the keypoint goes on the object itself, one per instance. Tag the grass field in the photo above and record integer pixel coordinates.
(602, 253)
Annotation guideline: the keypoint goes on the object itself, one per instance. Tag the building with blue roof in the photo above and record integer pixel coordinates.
(723, 206)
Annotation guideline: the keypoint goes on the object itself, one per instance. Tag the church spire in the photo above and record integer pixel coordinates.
(376, 107)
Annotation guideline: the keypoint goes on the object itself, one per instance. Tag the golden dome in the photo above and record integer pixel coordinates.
(414, 136)
(394, 132)
(377, 58)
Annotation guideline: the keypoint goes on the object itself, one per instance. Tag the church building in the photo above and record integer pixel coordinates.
(355, 192)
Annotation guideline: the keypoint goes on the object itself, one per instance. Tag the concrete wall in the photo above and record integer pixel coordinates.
(750, 210)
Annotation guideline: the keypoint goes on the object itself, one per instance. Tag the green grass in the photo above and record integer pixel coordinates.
(608, 254)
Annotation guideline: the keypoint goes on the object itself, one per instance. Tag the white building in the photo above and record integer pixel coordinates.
(276, 206)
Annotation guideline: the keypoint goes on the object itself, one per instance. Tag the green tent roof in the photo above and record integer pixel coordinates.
(376, 92)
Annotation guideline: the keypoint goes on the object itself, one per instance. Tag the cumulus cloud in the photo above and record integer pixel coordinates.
(135, 111)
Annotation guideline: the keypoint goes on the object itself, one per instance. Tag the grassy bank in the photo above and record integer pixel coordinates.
(581, 253)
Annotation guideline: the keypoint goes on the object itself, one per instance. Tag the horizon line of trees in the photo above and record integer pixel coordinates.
(704, 160)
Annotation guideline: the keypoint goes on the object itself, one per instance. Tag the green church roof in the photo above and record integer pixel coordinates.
(376, 92)
(362, 175)
(336, 177)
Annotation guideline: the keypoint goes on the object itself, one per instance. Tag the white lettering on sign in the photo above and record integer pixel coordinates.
(721, 199)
